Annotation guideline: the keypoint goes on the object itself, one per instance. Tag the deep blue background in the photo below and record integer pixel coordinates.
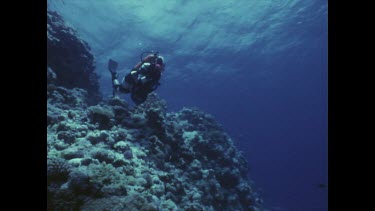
(280, 120)
(280, 123)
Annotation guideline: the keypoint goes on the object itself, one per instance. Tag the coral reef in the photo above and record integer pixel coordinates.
(70, 58)
(110, 156)
(107, 155)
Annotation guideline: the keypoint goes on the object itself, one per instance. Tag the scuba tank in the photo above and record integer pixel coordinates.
(149, 52)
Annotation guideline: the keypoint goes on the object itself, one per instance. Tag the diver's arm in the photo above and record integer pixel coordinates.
(144, 69)
(144, 73)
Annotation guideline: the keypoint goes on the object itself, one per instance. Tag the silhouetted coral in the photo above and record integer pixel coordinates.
(70, 58)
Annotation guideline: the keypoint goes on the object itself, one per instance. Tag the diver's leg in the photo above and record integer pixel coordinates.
(115, 84)
(127, 83)
(124, 89)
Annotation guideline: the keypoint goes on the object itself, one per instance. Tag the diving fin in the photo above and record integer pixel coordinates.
(112, 66)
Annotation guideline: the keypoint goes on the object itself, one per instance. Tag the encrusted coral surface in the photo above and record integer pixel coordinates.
(113, 157)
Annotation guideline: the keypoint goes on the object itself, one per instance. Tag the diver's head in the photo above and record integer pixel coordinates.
(160, 63)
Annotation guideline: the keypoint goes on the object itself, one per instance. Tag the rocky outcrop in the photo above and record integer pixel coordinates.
(114, 157)
(69, 57)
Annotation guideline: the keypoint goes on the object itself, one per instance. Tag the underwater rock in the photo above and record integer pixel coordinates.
(71, 153)
(58, 170)
(103, 155)
(51, 76)
(153, 102)
(128, 154)
(113, 157)
(168, 205)
(70, 58)
(61, 98)
(118, 102)
(101, 115)
(66, 136)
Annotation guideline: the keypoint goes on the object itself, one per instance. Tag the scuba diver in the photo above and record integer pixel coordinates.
(141, 80)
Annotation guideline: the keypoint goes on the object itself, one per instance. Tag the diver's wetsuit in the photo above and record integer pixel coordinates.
(142, 79)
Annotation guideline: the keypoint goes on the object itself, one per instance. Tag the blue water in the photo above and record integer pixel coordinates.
(260, 67)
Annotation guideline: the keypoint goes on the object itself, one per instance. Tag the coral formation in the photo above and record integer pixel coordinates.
(113, 157)
(70, 58)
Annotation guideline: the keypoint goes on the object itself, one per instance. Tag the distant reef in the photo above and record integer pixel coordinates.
(107, 155)
(70, 57)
